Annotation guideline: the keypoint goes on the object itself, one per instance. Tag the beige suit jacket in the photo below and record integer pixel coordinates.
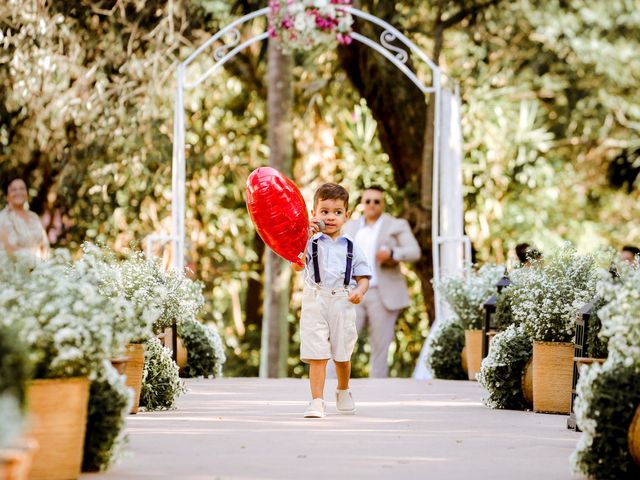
(396, 234)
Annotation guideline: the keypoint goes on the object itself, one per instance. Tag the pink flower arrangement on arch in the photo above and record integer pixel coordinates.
(304, 24)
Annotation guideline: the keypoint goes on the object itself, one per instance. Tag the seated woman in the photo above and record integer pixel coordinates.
(20, 229)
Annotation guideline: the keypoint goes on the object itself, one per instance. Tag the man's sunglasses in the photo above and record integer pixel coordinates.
(377, 201)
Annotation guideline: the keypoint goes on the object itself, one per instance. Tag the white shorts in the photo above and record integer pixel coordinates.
(327, 325)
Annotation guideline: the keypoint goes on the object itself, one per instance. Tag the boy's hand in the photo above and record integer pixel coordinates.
(313, 227)
(355, 296)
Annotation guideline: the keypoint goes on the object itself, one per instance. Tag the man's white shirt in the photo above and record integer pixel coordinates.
(366, 239)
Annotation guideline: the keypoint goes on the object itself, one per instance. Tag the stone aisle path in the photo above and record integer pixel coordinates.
(250, 428)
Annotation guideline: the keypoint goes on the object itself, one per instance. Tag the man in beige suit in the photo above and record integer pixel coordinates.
(386, 241)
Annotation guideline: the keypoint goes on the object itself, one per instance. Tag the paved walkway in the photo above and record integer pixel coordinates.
(404, 429)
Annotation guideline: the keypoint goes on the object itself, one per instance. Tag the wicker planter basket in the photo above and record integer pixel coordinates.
(552, 377)
(58, 416)
(181, 354)
(134, 370)
(120, 364)
(526, 381)
(473, 349)
(463, 359)
(634, 437)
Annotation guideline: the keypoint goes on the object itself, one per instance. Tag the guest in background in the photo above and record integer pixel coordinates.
(20, 229)
(526, 254)
(386, 241)
(629, 253)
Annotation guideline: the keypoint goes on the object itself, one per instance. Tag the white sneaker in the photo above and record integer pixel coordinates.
(345, 403)
(315, 409)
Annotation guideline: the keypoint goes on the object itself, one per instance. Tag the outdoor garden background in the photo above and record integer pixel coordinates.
(551, 113)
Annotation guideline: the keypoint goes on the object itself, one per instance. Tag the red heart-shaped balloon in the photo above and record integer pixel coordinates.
(279, 213)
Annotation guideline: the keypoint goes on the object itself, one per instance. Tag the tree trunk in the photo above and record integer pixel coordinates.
(275, 332)
(252, 303)
(404, 130)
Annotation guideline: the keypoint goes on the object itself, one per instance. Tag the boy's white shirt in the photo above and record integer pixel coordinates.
(332, 261)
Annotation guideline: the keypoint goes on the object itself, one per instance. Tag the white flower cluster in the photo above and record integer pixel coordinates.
(73, 315)
(620, 315)
(466, 295)
(158, 298)
(582, 406)
(547, 296)
(501, 352)
(501, 371)
(63, 318)
(125, 279)
(608, 394)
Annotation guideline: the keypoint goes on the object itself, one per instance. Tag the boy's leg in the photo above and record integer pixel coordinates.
(344, 400)
(343, 372)
(317, 376)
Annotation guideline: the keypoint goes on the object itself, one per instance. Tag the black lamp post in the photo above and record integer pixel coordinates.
(489, 305)
(580, 350)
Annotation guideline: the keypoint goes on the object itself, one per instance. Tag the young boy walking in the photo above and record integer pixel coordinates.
(336, 279)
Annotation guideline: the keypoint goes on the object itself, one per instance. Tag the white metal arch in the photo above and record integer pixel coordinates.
(396, 55)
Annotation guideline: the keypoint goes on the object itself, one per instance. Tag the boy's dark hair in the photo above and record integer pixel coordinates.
(631, 249)
(331, 191)
(375, 187)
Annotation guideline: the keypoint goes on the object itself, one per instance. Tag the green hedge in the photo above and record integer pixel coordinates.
(109, 404)
(205, 352)
(444, 351)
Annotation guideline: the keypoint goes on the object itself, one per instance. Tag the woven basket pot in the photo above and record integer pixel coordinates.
(181, 350)
(634, 437)
(120, 364)
(526, 382)
(181, 354)
(473, 350)
(463, 359)
(58, 417)
(135, 367)
(552, 377)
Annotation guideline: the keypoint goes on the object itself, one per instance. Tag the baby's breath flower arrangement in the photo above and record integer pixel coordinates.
(466, 295)
(13, 269)
(109, 404)
(158, 297)
(609, 394)
(620, 314)
(161, 385)
(547, 296)
(501, 371)
(444, 351)
(63, 319)
(184, 299)
(205, 353)
(115, 279)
